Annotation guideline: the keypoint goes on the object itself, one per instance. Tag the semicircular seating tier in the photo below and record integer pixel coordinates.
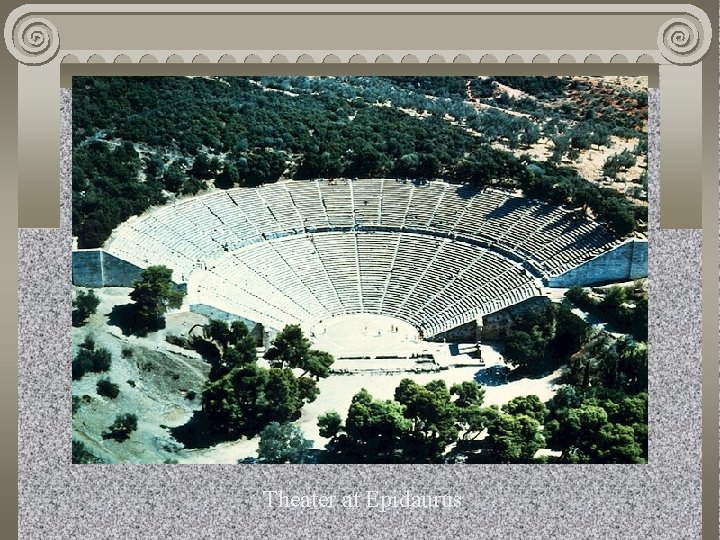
(434, 254)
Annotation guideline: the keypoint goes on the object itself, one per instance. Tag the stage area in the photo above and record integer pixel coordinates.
(365, 335)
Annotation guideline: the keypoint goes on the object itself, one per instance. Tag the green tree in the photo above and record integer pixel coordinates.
(433, 417)
(90, 361)
(81, 454)
(154, 167)
(121, 429)
(570, 332)
(282, 395)
(474, 420)
(330, 424)
(228, 177)
(76, 403)
(84, 305)
(513, 439)
(586, 434)
(375, 430)
(153, 294)
(248, 397)
(614, 299)
(107, 388)
(561, 144)
(292, 349)
(201, 168)
(174, 177)
(528, 405)
(618, 444)
(282, 443)
(522, 349)
(469, 394)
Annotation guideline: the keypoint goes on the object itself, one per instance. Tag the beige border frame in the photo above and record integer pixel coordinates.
(689, 124)
(674, 37)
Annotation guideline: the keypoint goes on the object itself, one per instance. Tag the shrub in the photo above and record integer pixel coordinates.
(76, 402)
(84, 305)
(122, 427)
(80, 454)
(107, 388)
(282, 443)
(90, 361)
(89, 343)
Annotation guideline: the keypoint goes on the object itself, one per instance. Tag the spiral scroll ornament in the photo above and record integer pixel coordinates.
(35, 41)
(679, 41)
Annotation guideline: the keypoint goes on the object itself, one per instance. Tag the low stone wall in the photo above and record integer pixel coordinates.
(465, 333)
(218, 314)
(625, 262)
(98, 268)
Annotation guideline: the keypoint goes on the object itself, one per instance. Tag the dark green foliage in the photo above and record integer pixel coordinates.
(540, 333)
(528, 405)
(84, 305)
(201, 167)
(121, 429)
(247, 398)
(282, 443)
(523, 349)
(618, 162)
(81, 455)
(561, 145)
(225, 346)
(423, 421)
(174, 177)
(433, 417)
(618, 214)
(155, 167)
(331, 128)
(375, 431)
(228, 177)
(107, 190)
(107, 388)
(626, 309)
(88, 343)
(291, 348)
(416, 427)
(619, 364)
(330, 424)
(90, 361)
(469, 394)
(589, 133)
(570, 332)
(434, 86)
(600, 430)
(473, 421)
(563, 185)
(241, 397)
(153, 294)
(76, 403)
(513, 439)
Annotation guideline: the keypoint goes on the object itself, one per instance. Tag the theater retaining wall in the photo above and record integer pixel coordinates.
(98, 268)
(625, 262)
